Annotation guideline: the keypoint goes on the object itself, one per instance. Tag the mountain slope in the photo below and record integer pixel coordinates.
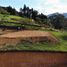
(65, 14)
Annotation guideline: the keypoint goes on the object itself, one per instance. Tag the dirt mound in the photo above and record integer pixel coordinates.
(32, 36)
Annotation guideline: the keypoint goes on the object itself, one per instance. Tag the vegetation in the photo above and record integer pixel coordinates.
(31, 16)
(24, 12)
(30, 19)
(42, 46)
(58, 21)
(17, 21)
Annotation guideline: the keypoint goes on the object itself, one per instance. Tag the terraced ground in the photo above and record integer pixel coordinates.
(34, 40)
(48, 36)
(31, 36)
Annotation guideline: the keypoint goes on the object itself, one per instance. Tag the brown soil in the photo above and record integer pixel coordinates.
(6, 31)
(33, 36)
(33, 59)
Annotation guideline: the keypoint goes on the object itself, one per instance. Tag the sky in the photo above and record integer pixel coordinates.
(43, 6)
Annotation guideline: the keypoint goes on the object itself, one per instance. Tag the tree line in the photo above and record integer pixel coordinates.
(56, 20)
(24, 12)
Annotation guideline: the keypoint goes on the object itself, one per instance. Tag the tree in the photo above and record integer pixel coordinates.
(43, 18)
(28, 12)
(34, 14)
(9, 9)
(14, 12)
(65, 24)
(21, 12)
(3, 11)
(24, 10)
(57, 20)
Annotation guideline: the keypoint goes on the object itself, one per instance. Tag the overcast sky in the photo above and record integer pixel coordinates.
(44, 6)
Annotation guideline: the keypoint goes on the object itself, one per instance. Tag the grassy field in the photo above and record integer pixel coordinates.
(11, 20)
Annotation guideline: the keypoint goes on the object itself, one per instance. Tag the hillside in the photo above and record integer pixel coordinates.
(16, 22)
(24, 33)
(16, 19)
(65, 14)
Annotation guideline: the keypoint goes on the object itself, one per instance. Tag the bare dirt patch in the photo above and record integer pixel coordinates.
(32, 36)
(2, 31)
(33, 59)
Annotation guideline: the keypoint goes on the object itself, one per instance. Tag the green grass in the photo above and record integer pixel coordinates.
(62, 46)
(12, 20)
(62, 36)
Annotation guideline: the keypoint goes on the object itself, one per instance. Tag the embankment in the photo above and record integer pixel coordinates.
(33, 59)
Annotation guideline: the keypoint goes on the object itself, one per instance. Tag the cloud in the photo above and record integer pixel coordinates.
(52, 6)
(43, 6)
(47, 6)
(52, 1)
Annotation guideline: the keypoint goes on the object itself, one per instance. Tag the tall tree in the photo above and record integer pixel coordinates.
(57, 20)
(24, 10)
(34, 14)
(9, 9)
